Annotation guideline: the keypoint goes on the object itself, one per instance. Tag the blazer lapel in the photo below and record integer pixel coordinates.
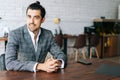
(39, 47)
(28, 40)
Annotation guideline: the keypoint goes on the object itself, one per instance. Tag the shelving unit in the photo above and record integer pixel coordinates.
(108, 45)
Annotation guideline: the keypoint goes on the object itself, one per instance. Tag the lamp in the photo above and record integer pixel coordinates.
(57, 21)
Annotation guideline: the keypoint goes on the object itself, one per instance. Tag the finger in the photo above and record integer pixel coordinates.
(49, 59)
(53, 62)
(56, 64)
(53, 67)
(52, 70)
(59, 63)
(52, 59)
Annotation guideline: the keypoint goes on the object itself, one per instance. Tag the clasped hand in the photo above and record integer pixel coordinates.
(50, 65)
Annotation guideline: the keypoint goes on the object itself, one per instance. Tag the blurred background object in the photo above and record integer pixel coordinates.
(58, 30)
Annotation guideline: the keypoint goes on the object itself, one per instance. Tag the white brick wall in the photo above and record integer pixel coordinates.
(74, 14)
(119, 12)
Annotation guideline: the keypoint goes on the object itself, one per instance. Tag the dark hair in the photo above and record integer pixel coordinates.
(37, 6)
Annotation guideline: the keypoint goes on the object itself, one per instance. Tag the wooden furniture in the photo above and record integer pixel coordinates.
(3, 38)
(108, 46)
(80, 44)
(106, 20)
(94, 41)
(65, 38)
(108, 30)
(107, 26)
(59, 40)
(74, 71)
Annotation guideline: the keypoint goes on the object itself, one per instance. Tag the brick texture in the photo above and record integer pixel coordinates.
(74, 14)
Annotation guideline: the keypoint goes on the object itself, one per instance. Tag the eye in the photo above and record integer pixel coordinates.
(28, 16)
(37, 17)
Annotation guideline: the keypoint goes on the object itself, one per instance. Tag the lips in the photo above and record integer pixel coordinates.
(32, 24)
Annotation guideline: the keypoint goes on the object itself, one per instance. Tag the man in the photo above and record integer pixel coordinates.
(28, 46)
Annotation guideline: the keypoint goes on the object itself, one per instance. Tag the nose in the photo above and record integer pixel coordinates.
(31, 20)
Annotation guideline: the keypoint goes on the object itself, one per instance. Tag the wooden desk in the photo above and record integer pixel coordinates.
(74, 71)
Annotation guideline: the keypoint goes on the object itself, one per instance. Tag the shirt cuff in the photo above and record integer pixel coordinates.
(63, 63)
(34, 68)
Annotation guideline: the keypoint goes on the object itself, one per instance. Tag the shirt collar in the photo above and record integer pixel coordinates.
(32, 34)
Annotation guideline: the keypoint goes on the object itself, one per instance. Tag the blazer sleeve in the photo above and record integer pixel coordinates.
(56, 51)
(11, 55)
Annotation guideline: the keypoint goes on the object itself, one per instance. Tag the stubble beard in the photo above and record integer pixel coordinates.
(34, 30)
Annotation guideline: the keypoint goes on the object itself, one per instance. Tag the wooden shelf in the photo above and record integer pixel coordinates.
(106, 20)
(3, 38)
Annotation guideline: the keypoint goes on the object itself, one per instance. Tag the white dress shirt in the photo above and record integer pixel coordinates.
(35, 46)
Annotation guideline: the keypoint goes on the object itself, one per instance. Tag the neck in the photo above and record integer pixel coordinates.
(36, 32)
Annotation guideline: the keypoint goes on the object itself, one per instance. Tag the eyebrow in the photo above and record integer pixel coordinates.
(37, 16)
(34, 16)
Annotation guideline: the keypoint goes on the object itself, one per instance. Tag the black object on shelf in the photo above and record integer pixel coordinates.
(89, 30)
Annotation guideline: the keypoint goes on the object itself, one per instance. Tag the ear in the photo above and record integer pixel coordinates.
(43, 19)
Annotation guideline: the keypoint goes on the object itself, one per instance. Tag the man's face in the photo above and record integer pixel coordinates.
(34, 20)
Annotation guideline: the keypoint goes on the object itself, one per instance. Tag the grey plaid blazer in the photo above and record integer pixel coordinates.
(20, 52)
